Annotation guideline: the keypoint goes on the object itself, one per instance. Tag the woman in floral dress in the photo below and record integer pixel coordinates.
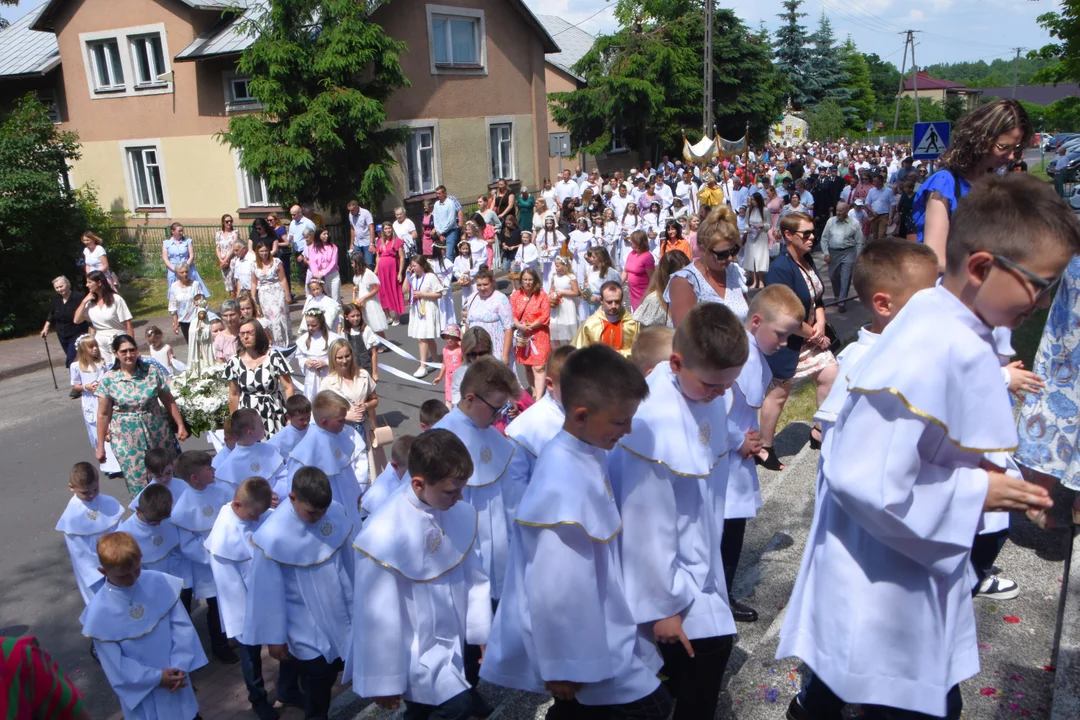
(271, 290)
(491, 311)
(224, 239)
(130, 412)
(258, 377)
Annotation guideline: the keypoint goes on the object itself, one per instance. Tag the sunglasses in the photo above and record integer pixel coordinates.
(804, 234)
(495, 411)
(722, 255)
(1043, 287)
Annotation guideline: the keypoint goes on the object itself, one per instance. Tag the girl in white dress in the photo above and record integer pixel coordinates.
(425, 323)
(564, 295)
(611, 232)
(317, 298)
(528, 255)
(653, 223)
(465, 269)
(86, 371)
(628, 224)
(366, 295)
(95, 258)
(444, 270)
(312, 349)
(600, 272)
(224, 240)
(549, 244)
(581, 239)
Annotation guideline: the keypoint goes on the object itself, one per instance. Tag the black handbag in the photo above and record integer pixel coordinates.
(834, 339)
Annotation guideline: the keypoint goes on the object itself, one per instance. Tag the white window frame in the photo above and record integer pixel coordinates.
(48, 99)
(232, 103)
(126, 147)
(125, 39)
(402, 152)
(134, 41)
(110, 69)
(617, 141)
(243, 196)
(457, 13)
(502, 121)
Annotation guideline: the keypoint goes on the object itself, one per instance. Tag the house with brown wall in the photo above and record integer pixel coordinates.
(148, 85)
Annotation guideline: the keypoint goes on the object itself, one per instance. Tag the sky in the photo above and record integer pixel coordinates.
(952, 30)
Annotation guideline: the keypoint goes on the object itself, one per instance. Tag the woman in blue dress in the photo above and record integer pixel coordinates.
(178, 250)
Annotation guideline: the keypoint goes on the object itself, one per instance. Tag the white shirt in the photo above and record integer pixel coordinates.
(361, 224)
(296, 233)
(404, 230)
(566, 189)
(93, 259)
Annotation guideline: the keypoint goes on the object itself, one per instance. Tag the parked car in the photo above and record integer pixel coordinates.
(1047, 142)
(1069, 164)
(1061, 139)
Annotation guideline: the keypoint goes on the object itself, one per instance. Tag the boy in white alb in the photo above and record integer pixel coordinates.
(230, 549)
(391, 478)
(228, 442)
(193, 515)
(421, 592)
(331, 446)
(251, 457)
(158, 462)
(537, 426)
(565, 625)
(143, 636)
(298, 411)
(158, 539)
(498, 471)
(300, 590)
(669, 476)
(775, 313)
(882, 609)
(87, 517)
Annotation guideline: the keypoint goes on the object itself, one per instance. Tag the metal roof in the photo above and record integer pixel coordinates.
(24, 51)
(224, 38)
(49, 10)
(573, 41)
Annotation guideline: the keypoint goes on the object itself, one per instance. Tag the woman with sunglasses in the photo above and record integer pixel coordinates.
(715, 277)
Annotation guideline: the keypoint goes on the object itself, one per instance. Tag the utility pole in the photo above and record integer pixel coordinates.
(900, 90)
(707, 119)
(1016, 66)
(914, 74)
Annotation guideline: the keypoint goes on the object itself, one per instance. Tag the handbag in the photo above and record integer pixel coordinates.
(834, 339)
(384, 436)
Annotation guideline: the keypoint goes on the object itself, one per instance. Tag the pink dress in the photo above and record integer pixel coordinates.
(390, 296)
(774, 207)
(451, 361)
(428, 223)
(638, 265)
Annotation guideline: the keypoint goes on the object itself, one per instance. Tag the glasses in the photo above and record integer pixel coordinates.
(1043, 287)
(722, 255)
(229, 221)
(1002, 147)
(494, 410)
(804, 234)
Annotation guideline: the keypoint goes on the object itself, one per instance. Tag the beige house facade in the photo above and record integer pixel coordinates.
(149, 84)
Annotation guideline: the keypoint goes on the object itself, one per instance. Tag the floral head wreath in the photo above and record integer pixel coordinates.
(79, 340)
(314, 312)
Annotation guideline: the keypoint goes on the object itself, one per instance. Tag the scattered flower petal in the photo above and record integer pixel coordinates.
(1018, 696)
(1049, 668)
(984, 646)
(988, 691)
(1016, 677)
(1011, 619)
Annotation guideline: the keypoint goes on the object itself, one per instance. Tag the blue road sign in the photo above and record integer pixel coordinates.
(929, 139)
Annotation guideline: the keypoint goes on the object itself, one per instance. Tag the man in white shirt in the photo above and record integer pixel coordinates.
(881, 201)
(567, 188)
(841, 243)
(738, 193)
(661, 189)
(361, 232)
(640, 185)
(687, 190)
(296, 229)
(804, 196)
(619, 202)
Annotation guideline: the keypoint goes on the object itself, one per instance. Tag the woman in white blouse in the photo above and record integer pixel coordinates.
(95, 258)
(353, 383)
(107, 313)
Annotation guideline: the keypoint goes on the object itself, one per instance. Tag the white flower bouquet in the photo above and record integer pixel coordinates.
(203, 398)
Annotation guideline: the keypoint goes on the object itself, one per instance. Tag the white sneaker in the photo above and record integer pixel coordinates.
(997, 588)
(421, 372)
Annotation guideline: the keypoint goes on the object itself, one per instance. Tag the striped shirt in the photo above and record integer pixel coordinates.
(32, 685)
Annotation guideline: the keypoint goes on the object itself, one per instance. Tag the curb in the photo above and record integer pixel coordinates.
(27, 369)
(1066, 702)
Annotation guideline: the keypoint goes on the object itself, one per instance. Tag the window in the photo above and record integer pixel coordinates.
(501, 148)
(239, 92)
(146, 177)
(149, 59)
(48, 99)
(456, 40)
(108, 71)
(255, 190)
(420, 160)
(618, 142)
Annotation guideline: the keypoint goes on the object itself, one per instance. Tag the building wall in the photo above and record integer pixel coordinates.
(937, 94)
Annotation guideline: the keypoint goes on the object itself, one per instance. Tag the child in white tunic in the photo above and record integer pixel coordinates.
(87, 517)
(298, 412)
(193, 515)
(391, 479)
(882, 609)
(312, 350)
(775, 314)
(300, 590)
(230, 549)
(143, 636)
(537, 426)
(421, 591)
(670, 476)
(565, 625)
(85, 373)
(251, 457)
(159, 468)
(158, 539)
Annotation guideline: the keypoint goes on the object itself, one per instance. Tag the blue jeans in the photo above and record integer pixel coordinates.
(369, 257)
(451, 238)
(459, 707)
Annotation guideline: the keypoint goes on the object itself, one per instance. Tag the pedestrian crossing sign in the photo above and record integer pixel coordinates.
(929, 140)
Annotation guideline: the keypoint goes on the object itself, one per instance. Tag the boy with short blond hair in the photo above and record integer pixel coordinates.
(671, 471)
(652, 347)
(159, 466)
(251, 456)
(565, 625)
(158, 538)
(407, 628)
(87, 517)
(194, 515)
(391, 477)
(914, 460)
(543, 420)
(298, 412)
(142, 634)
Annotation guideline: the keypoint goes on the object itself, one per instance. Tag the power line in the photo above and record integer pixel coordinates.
(579, 24)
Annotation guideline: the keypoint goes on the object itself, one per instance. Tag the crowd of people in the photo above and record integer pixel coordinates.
(660, 321)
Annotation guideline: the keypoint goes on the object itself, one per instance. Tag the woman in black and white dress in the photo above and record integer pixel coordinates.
(258, 377)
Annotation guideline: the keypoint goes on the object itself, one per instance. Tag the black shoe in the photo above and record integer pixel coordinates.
(815, 442)
(75, 394)
(841, 309)
(771, 462)
(795, 710)
(226, 655)
(296, 701)
(264, 710)
(742, 613)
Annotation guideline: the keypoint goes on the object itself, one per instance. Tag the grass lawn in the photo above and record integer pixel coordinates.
(147, 298)
(800, 407)
(1039, 169)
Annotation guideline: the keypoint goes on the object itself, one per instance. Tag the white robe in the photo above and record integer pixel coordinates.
(83, 524)
(258, 460)
(230, 550)
(176, 486)
(285, 439)
(300, 590)
(669, 476)
(194, 515)
(743, 497)
(421, 594)
(565, 614)
(535, 428)
(335, 455)
(310, 347)
(160, 545)
(138, 632)
(493, 489)
(384, 486)
(887, 563)
(848, 360)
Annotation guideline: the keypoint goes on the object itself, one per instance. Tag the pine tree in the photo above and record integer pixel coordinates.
(323, 72)
(792, 56)
(825, 67)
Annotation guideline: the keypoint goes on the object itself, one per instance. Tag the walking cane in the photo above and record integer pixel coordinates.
(49, 355)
